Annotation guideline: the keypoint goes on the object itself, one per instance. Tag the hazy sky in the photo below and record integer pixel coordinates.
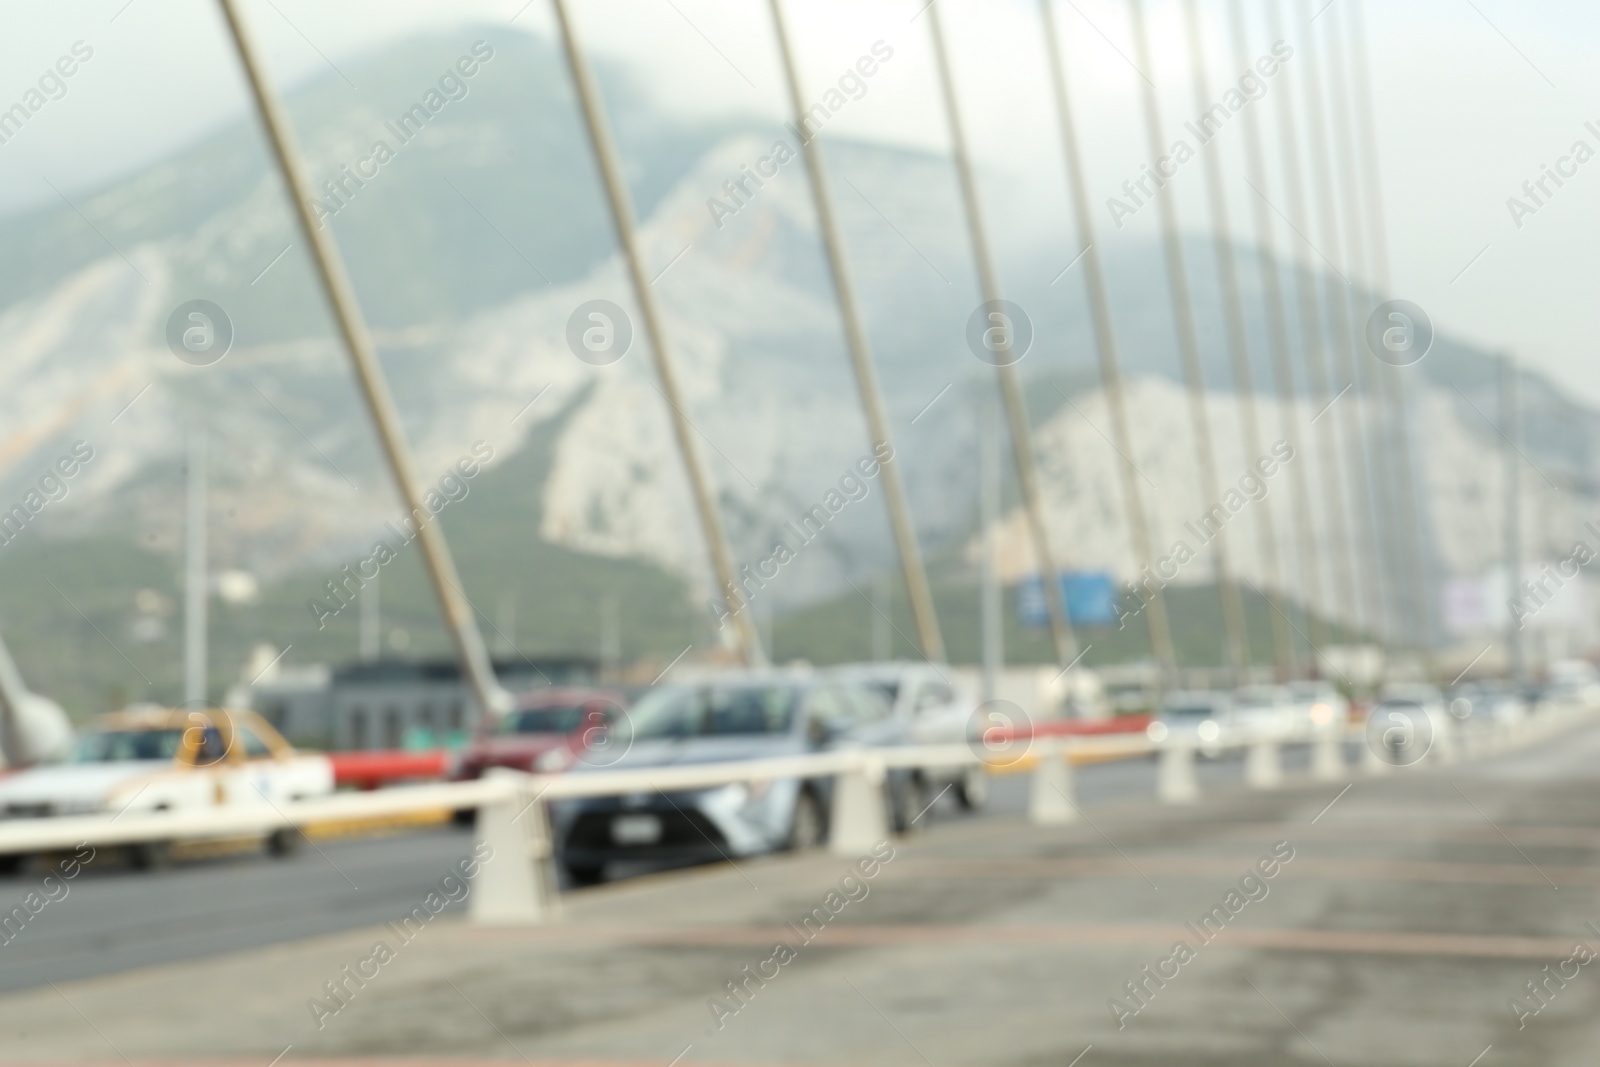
(1473, 97)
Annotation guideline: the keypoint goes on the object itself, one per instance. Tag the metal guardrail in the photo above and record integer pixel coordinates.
(519, 885)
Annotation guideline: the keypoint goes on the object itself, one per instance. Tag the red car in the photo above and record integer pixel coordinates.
(547, 733)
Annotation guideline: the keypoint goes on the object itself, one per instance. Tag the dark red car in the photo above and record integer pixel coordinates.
(546, 733)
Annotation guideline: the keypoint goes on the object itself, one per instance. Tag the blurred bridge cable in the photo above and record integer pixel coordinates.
(1367, 370)
(1156, 619)
(1189, 348)
(1342, 568)
(1308, 558)
(1510, 428)
(918, 592)
(195, 573)
(610, 166)
(1368, 591)
(1066, 645)
(1238, 343)
(491, 698)
(1413, 553)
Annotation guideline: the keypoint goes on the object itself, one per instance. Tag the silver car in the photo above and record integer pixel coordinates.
(935, 711)
(738, 717)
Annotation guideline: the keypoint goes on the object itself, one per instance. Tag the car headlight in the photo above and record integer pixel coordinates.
(1321, 714)
(1156, 731)
(1209, 731)
(557, 759)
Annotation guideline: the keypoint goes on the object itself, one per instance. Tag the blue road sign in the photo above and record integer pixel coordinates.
(1091, 598)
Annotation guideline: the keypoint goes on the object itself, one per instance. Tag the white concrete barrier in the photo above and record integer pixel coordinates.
(1263, 767)
(1327, 755)
(1175, 779)
(516, 881)
(859, 819)
(1052, 801)
(517, 885)
(1372, 761)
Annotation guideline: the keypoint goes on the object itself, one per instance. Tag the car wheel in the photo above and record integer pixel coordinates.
(283, 843)
(806, 826)
(584, 874)
(972, 792)
(465, 817)
(150, 855)
(12, 864)
(907, 802)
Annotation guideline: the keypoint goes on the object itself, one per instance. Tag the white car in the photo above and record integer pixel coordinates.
(1575, 680)
(935, 712)
(1198, 718)
(1488, 701)
(1321, 703)
(1270, 710)
(147, 759)
(1401, 709)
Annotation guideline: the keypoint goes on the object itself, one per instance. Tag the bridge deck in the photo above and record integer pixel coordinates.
(1411, 912)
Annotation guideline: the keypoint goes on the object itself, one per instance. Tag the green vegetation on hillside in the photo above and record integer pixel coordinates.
(72, 620)
(70, 613)
(840, 629)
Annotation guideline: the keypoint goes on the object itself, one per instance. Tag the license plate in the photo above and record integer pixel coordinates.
(636, 829)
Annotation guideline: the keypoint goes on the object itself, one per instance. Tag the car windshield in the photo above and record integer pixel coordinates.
(714, 712)
(558, 719)
(890, 691)
(110, 746)
(1190, 711)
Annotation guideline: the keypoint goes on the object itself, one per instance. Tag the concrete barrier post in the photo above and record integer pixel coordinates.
(1372, 761)
(1327, 755)
(1051, 799)
(860, 818)
(1263, 769)
(1511, 738)
(516, 881)
(1446, 747)
(1175, 781)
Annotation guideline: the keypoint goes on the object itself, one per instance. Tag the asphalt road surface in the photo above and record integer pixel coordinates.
(115, 918)
(1437, 915)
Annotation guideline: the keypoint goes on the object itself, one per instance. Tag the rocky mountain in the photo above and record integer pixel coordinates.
(473, 247)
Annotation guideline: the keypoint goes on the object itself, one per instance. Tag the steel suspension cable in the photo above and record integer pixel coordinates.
(1156, 621)
(1238, 344)
(1189, 348)
(918, 592)
(1066, 645)
(621, 204)
(1414, 553)
(1310, 564)
(1312, 339)
(1367, 591)
(1376, 476)
(477, 672)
